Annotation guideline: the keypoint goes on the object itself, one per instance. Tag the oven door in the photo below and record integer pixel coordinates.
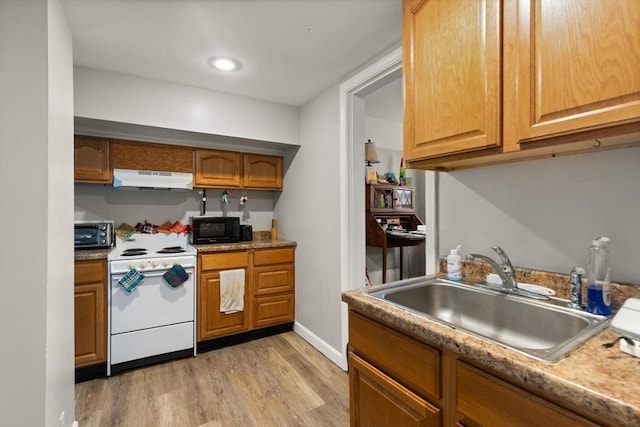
(151, 304)
(154, 319)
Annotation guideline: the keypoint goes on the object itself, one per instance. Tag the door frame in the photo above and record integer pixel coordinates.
(352, 172)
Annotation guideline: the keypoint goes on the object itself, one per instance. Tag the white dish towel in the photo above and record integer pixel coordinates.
(231, 291)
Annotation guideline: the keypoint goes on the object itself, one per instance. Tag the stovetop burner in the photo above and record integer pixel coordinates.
(134, 252)
(172, 250)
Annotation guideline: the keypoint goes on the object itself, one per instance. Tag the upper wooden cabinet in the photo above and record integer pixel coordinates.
(215, 168)
(571, 66)
(228, 169)
(262, 171)
(148, 156)
(452, 76)
(91, 159)
(496, 81)
(95, 158)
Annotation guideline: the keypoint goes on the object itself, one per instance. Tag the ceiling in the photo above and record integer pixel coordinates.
(289, 50)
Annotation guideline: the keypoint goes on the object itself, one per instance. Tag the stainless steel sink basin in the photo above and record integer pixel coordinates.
(546, 331)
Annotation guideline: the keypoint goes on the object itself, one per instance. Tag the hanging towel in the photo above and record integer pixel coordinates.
(176, 276)
(131, 279)
(231, 291)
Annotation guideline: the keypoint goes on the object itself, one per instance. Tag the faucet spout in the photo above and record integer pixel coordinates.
(505, 271)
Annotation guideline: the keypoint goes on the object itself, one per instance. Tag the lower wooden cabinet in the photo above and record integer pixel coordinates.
(90, 306)
(269, 291)
(211, 321)
(482, 399)
(274, 284)
(375, 399)
(397, 380)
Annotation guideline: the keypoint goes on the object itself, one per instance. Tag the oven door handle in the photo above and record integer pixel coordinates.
(155, 273)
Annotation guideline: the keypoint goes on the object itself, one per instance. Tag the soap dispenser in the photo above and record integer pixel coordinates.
(454, 265)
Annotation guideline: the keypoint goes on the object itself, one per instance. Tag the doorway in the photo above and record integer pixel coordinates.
(352, 170)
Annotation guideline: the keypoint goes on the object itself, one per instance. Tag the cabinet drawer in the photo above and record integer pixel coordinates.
(406, 360)
(89, 272)
(273, 256)
(273, 310)
(224, 260)
(485, 400)
(273, 279)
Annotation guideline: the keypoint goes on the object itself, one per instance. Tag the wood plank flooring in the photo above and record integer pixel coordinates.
(275, 381)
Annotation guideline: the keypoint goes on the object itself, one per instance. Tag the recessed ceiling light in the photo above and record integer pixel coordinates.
(224, 64)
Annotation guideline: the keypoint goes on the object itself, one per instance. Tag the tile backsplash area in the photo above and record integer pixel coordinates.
(157, 206)
(478, 271)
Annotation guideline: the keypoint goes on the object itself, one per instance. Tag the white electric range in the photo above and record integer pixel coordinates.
(154, 321)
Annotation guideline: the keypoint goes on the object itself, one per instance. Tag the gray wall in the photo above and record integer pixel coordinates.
(309, 213)
(157, 206)
(545, 213)
(36, 186)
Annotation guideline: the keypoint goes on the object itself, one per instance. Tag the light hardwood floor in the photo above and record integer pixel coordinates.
(275, 381)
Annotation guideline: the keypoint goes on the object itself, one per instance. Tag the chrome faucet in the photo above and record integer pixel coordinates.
(505, 271)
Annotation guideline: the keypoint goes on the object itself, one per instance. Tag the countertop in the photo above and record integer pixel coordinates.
(91, 254)
(603, 381)
(102, 254)
(240, 246)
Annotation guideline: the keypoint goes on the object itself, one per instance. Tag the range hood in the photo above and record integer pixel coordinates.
(152, 179)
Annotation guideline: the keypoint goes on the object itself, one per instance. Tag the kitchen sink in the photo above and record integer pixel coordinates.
(543, 330)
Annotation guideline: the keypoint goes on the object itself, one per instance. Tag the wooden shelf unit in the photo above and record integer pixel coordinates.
(390, 204)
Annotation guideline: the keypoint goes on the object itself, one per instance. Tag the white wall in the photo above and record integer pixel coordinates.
(93, 202)
(308, 212)
(545, 213)
(117, 97)
(36, 252)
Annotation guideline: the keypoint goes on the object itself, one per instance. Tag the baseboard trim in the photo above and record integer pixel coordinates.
(320, 345)
(239, 338)
(87, 373)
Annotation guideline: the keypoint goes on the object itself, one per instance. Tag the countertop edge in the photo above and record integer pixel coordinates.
(246, 245)
(521, 370)
(103, 254)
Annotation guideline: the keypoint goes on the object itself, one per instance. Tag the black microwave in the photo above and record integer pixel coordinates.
(212, 229)
(93, 234)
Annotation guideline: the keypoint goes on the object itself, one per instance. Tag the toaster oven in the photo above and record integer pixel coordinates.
(93, 234)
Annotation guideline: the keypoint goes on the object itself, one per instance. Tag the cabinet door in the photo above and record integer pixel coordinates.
(211, 322)
(91, 159)
(574, 67)
(452, 77)
(403, 201)
(380, 199)
(377, 400)
(215, 168)
(262, 172)
(90, 313)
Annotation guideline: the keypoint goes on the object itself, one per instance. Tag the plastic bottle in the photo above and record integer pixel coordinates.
(454, 265)
(598, 278)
